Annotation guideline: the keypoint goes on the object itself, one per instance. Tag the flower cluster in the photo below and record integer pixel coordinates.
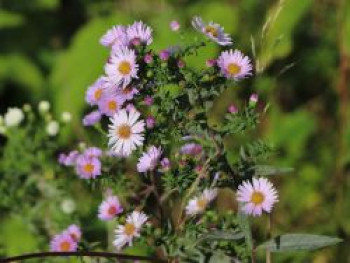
(155, 109)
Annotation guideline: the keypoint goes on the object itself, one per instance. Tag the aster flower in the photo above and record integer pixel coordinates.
(92, 152)
(165, 163)
(126, 233)
(174, 25)
(198, 204)
(192, 149)
(63, 243)
(96, 91)
(92, 118)
(69, 159)
(127, 93)
(87, 167)
(122, 67)
(149, 159)
(139, 34)
(125, 132)
(234, 64)
(257, 196)
(148, 59)
(116, 36)
(148, 100)
(109, 105)
(109, 208)
(232, 109)
(74, 231)
(212, 30)
(150, 122)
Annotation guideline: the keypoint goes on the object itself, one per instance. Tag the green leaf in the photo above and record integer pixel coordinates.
(10, 19)
(264, 170)
(221, 235)
(219, 257)
(281, 20)
(295, 242)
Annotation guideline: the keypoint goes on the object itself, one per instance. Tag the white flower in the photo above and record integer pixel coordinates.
(126, 233)
(44, 106)
(125, 132)
(122, 66)
(13, 117)
(66, 117)
(149, 159)
(68, 206)
(198, 204)
(52, 128)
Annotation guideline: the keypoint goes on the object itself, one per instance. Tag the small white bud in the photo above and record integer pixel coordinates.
(66, 117)
(68, 206)
(44, 106)
(13, 117)
(52, 128)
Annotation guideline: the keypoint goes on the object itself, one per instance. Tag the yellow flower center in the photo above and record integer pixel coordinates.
(112, 105)
(124, 131)
(65, 246)
(89, 168)
(211, 30)
(129, 229)
(233, 69)
(202, 203)
(112, 210)
(98, 94)
(124, 67)
(257, 198)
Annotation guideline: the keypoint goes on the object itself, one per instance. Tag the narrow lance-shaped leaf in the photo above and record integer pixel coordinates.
(295, 242)
(271, 170)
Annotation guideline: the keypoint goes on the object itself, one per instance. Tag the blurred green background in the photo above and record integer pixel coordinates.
(49, 50)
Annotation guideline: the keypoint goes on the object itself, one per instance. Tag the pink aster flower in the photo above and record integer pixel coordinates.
(234, 64)
(165, 163)
(164, 55)
(149, 160)
(130, 107)
(109, 105)
(127, 93)
(68, 159)
(116, 36)
(210, 63)
(257, 196)
(95, 91)
(148, 100)
(150, 122)
(109, 208)
(122, 67)
(93, 152)
(63, 243)
(232, 109)
(253, 99)
(139, 34)
(88, 168)
(191, 149)
(92, 118)
(174, 25)
(148, 59)
(212, 30)
(74, 231)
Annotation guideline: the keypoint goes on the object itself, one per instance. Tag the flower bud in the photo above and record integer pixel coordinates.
(44, 106)
(174, 25)
(253, 100)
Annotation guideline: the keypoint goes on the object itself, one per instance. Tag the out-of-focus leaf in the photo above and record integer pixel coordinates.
(221, 235)
(222, 258)
(10, 19)
(47, 4)
(22, 71)
(346, 28)
(295, 242)
(264, 170)
(280, 23)
(16, 237)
